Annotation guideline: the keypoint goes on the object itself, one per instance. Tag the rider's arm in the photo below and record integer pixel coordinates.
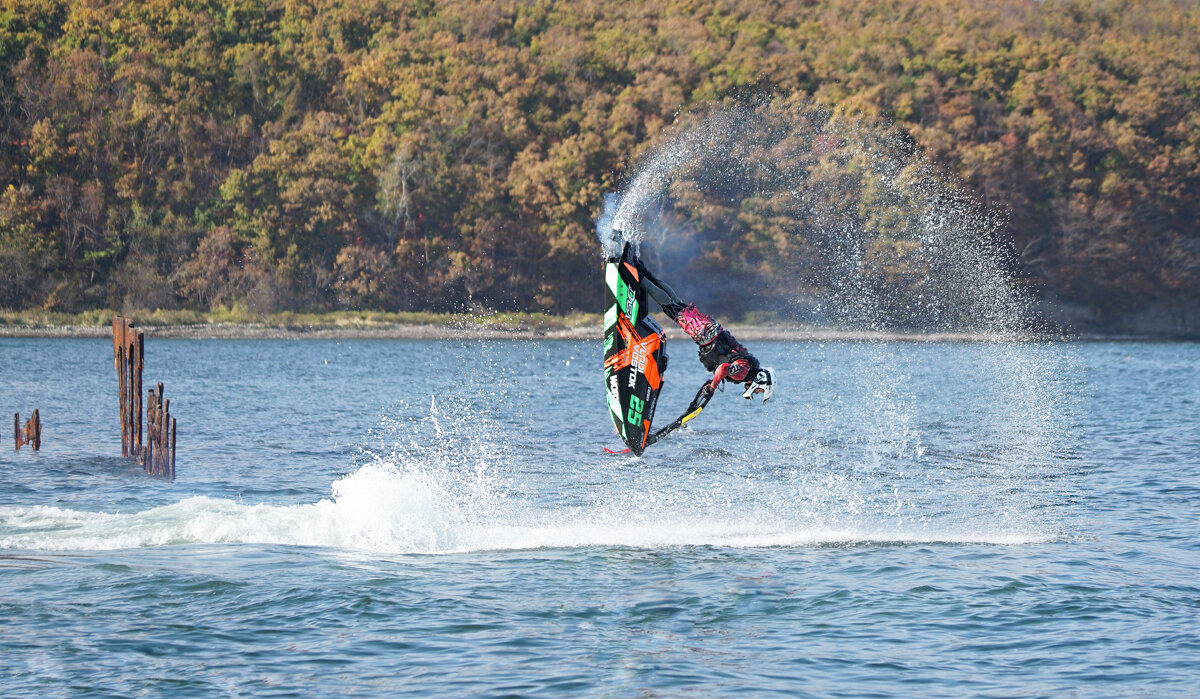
(720, 373)
(739, 370)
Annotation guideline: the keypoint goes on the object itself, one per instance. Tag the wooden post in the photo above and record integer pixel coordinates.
(120, 364)
(37, 431)
(160, 428)
(116, 326)
(16, 431)
(131, 398)
(156, 426)
(174, 431)
(165, 467)
(151, 409)
(128, 350)
(139, 347)
(123, 387)
(162, 415)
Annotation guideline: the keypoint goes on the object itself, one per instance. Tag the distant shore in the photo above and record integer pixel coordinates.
(240, 324)
(431, 331)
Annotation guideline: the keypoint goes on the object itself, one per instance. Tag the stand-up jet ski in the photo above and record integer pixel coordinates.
(635, 357)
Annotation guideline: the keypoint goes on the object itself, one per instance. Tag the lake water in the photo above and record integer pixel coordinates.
(439, 518)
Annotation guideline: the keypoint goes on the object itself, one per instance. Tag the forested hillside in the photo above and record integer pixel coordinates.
(314, 154)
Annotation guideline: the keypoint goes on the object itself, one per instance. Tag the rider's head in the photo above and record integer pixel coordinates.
(762, 382)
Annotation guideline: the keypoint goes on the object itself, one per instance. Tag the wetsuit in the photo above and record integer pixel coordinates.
(720, 352)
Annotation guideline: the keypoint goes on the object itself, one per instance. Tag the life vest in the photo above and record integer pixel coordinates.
(725, 349)
(716, 345)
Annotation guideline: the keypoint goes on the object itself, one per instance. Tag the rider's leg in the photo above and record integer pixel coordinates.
(663, 295)
(658, 290)
(701, 327)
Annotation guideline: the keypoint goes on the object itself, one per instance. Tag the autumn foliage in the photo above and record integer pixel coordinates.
(313, 154)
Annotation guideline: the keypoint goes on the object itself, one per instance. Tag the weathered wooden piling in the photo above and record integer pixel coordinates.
(30, 434)
(157, 453)
(129, 346)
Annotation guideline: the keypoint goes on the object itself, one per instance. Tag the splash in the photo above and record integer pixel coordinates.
(416, 524)
(807, 216)
(451, 474)
(443, 479)
(831, 219)
(820, 218)
(379, 510)
(460, 487)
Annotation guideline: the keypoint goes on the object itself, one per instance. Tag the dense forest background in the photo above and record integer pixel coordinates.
(315, 154)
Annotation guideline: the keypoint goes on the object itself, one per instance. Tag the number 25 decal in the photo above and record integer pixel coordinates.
(635, 410)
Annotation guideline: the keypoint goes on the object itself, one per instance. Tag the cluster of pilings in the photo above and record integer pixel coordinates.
(158, 456)
(31, 434)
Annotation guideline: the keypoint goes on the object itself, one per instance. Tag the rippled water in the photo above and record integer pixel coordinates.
(439, 518)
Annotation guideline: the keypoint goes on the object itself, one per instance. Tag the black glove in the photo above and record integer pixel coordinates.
(704, 395)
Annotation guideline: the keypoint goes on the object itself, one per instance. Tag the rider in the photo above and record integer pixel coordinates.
(720, 352)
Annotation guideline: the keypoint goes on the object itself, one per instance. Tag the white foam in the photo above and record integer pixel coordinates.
(383, 509)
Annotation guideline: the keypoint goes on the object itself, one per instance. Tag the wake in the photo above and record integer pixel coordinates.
(384, 510)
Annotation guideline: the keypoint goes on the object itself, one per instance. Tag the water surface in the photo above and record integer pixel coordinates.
(439, 518)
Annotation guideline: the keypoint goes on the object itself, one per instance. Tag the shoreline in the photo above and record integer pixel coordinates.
(262, 331)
